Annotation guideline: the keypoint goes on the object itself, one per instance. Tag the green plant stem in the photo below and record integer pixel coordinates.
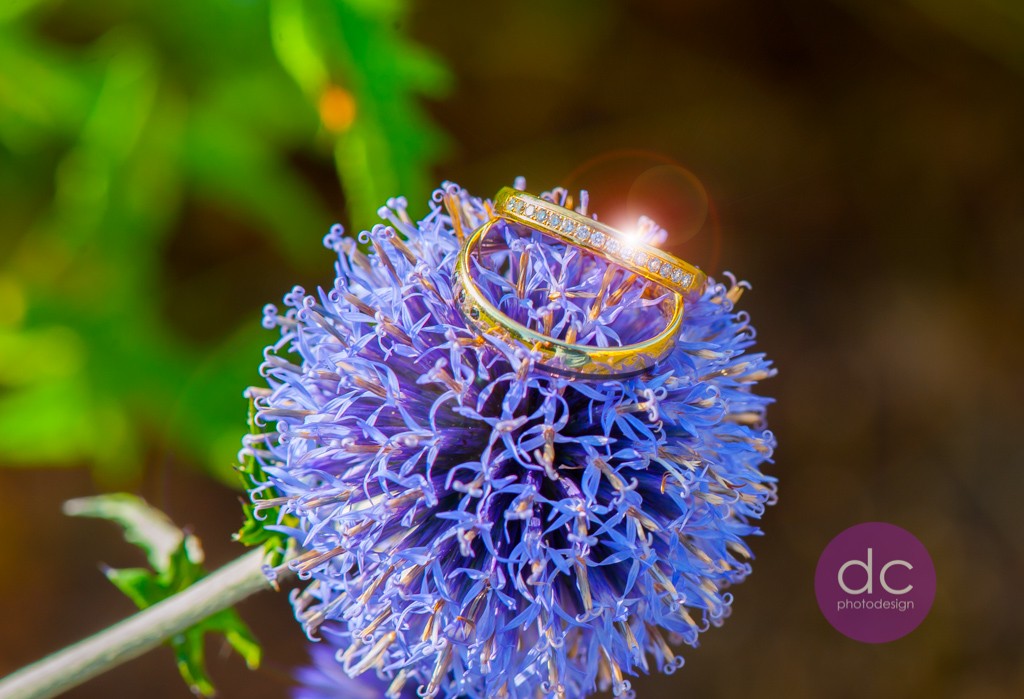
(139, 633)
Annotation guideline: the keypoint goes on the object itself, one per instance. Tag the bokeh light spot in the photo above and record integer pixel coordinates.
(337, 109)
(625, 184)
(672, 196)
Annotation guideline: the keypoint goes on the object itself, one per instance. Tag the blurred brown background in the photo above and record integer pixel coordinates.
(864, 169)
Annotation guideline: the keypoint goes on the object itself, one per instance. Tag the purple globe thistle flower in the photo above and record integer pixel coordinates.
(473, 525)
(325, 678)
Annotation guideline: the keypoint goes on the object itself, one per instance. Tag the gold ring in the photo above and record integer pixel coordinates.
(584, 232)
(560, 357)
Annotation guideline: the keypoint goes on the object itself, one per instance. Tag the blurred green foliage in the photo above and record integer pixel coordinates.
(113, 118)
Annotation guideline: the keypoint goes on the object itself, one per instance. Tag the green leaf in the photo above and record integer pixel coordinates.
(189, 648)
(177, 559)
(144, 526)
(138, 584)
(254, 531)
(190, 655)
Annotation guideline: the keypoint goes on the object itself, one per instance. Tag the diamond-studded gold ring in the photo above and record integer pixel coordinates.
(584, 232)
(559, 356)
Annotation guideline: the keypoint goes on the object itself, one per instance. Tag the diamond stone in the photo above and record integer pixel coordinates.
(568, 226)
(654, 265)
(628, 254)
(641, 258)
(676, 274)
(612, 246)
(597, 240)
(529, 209)
(542, 215)
(512, 204)
(555, 221)
(687, 278)
(583, 233)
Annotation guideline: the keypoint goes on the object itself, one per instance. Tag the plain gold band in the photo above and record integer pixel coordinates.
(558, 356)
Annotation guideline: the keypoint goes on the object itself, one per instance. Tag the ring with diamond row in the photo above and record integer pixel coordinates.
(558, 356)
(584, 232)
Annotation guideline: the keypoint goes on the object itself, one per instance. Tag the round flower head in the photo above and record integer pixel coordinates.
(474, 525)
